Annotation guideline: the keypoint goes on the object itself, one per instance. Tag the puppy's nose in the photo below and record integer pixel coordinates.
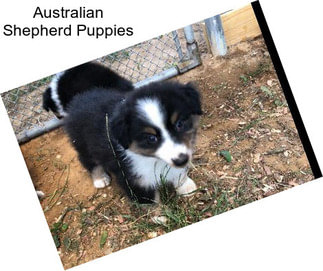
(181, 160)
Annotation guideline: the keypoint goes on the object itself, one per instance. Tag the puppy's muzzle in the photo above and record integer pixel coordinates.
(181, 160)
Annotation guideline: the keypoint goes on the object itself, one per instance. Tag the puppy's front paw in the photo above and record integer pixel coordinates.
(102, 182)
(186, 188)
(40, 194)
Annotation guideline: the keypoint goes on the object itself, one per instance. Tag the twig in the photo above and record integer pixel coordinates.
(104, 216)
(66, 210)
(116, 158)
(137, 219)
(228, 177)
(274, 151)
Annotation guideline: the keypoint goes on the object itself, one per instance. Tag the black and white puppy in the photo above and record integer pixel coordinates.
(140, 138)
(65, 85)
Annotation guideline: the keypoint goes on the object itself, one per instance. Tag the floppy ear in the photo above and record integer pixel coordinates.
(47, 99)
(193, 98)
(120, 128)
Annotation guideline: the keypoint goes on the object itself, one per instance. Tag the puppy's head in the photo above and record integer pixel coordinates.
(49, 104)
(161, 121)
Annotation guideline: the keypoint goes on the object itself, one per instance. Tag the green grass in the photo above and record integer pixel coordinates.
(250, 75)
(180, 211)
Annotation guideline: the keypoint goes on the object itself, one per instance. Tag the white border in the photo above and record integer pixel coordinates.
(281, 232)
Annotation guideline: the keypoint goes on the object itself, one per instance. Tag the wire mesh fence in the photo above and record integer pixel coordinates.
(136, 63)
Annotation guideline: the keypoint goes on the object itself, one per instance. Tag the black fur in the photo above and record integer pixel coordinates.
(80, 79)
(86, 127)
(48, 103)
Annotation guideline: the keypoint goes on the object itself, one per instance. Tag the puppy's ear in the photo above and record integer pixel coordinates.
(120, 128)
(193, 98)
(47, 99)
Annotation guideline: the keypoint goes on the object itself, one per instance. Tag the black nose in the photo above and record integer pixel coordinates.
(181, 160)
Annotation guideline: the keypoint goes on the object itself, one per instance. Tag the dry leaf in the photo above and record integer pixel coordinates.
(257, 158)
(120, 219)
(278, 178)
(267, 170)
(266, 188)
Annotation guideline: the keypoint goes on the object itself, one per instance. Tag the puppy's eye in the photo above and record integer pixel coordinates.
(151, 139)
(182, 125)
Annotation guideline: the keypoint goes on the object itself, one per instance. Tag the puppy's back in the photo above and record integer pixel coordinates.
(86, 114)
(86, 76)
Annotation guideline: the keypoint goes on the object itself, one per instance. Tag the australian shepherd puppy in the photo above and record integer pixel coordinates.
(65, 85)
(140, 138)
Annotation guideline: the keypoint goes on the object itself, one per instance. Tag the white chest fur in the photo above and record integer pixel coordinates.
(151, 170)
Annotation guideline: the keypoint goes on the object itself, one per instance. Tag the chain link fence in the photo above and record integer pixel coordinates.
(137, 63)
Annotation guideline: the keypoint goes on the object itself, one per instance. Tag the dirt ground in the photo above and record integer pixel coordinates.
(245, 114)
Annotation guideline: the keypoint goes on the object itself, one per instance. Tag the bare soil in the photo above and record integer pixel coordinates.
(244, 113)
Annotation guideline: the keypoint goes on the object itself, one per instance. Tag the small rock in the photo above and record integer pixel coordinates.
(270, 83)
(58, 156)
(91, 208)
(108, 251)
(104, 195)
(293, 182)
(266, 188)
(152, 234)
(161, 220)
(208, 214)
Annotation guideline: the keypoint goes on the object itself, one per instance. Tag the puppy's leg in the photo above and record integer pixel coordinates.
(186, 187)
(142, 194)
(99, 177)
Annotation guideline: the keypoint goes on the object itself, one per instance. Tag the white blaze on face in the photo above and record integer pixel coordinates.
(168, 150)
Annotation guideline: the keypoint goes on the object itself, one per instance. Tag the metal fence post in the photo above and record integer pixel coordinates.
(215, 34)
(177, 44)
(193, 57)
